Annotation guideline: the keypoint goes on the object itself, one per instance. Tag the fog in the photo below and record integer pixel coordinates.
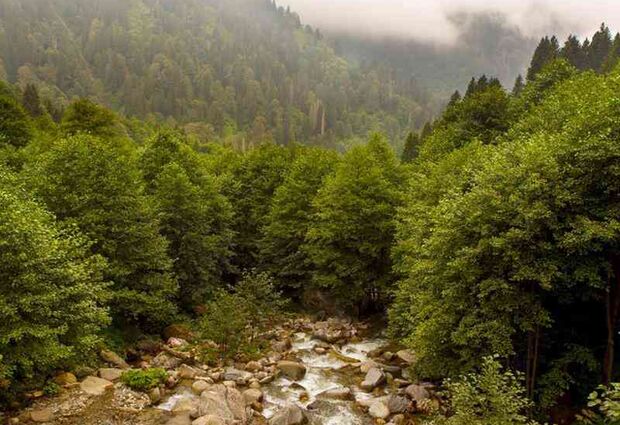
(433, 20)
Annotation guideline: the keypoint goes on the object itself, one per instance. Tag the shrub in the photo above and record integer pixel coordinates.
(492, 396)
(604, 406)
(144, 380)
(224, 323)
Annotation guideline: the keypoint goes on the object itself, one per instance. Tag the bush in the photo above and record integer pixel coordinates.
(225, 322)
(144, 380)
(604, 406)
(492, 396)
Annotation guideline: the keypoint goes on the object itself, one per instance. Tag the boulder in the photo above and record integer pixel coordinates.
(337, 394)
(185, 406)
(166, 361)
(397, 404)
(328, 335)
(42, 415)
(252, 395)
(187, 372)
(379, 410)
(294, 370)
(367, 365)
(182, 418)
(406, 356)
(155, 395)
(110, 374)
(95, 386)
(66, 378)
(288, 415)
(113, 358)
(235, 375)
(373, 379)
(417, 393)
(223, 402)
(209, 420)
(199, 386)
(281, 346)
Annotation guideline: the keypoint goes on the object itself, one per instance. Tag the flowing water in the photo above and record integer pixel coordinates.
(324, 372)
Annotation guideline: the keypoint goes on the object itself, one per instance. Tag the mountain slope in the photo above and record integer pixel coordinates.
(245, 67)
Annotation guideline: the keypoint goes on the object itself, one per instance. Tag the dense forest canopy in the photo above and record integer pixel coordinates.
(493, 243)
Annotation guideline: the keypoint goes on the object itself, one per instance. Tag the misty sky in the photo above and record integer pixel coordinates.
(428, 20)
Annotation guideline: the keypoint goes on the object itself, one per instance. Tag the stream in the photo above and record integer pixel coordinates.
(323, 372)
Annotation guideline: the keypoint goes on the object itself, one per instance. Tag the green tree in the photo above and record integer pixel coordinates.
(599, 48)
(352, 230)
(519, 86)
(412, 146)
(31, 101)
(52, 291)
(85, 116)
(288, 220)
(546, 51)
(97, 186)
(15, 127)
(574, 53)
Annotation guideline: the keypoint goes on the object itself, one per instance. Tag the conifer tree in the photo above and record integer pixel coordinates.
(15, 127)
(599, 48)
(574, 53)
(519, 85)
(412, 146)
(31, 101)
(547, 51)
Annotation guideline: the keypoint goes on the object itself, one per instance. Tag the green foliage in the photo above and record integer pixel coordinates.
(290, 215)
(52, 291)
(412, 144)
(265, 303)
(492, 396)
(96, 185)
(352, 231)
(195, 217)
(603, 406)
(51, 389)
(144, 379)
(85, 116)
(15, 126)
(225, 323)
(254, 180)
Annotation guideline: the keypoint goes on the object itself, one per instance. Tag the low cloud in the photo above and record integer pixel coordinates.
(433, 20)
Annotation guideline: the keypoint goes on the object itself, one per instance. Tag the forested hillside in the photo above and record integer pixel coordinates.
(242, 70)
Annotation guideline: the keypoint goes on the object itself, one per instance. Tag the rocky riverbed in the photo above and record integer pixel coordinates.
(327, 372)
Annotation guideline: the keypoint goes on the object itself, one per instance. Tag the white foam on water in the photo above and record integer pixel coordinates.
(169, 404)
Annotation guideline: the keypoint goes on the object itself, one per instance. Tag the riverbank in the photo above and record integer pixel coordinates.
(316, 372)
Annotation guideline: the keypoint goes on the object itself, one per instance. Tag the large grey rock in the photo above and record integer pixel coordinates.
(373, 379)
(188, 372)
(113, 358)
(288, 415)
(397, 404)
(328, 335)
(379, 410)
(252, 395)
(95, 386)
(224, 402)
(199, 386)
(295, 371)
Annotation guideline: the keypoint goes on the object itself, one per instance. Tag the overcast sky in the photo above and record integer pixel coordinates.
(427, 20)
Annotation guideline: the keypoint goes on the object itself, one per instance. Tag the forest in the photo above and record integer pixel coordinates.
(226, 183)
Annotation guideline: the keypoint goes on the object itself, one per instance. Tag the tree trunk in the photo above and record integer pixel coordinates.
(612, 305)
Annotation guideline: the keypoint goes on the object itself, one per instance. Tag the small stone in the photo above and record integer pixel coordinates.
(253, 366)
(113, 358)
(199, 386)
(66, 378)
(388, 356)
(176, 342)
(295, 371)
(42, 415)
(187, 372)
(379, 410)
(367, 365)
(155, 395)
(337, 394)
(417, 393)
(288, 415)
(406, 356)
(398, 419)
(166, 361)
(95, 386)
(110, 374)
(320, 350)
